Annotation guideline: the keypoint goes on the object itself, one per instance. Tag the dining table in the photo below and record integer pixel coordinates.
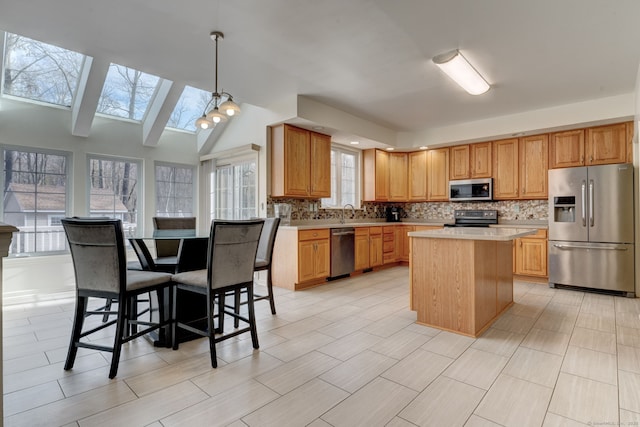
(192, 255)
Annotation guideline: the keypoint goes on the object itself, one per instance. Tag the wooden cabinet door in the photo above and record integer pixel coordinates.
(375, 246)
(459, 168)
(404, 250)
(296, 161)
(320, 165)
(606, 144)
(376, 175)
(505, 169)
(418, 176)
(566, 149)
(361, 247)
(322, 265)
(531, 257)
(480, 160)
(398, 173)
(533, 152)
(306, 260)
(438, 174)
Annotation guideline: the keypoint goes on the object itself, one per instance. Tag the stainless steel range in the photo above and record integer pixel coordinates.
(474, 218)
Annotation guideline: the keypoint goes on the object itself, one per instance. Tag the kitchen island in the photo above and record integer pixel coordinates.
(461, 278)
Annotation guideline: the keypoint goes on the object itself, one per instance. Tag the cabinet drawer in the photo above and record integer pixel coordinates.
(362, 231)
(540, 234)
(375, 230)
(313, 234)
(388, 247)
(388, 237)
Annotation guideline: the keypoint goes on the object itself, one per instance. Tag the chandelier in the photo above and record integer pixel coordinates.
(220, 111)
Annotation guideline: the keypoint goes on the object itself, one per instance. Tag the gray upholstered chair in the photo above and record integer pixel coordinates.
(263, 262)
(100, 265)
(167, 249)
(231, 258)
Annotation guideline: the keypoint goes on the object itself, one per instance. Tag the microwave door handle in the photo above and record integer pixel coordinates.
(591, 210)
(584, 203)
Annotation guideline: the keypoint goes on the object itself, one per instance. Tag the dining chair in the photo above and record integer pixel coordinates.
(167, 249)
(263, 263)
(231, 255)
(100, 267)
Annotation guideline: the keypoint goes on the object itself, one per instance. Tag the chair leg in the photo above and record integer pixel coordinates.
(107, 307)
(252, 316)
(221, 299)
(270, 292)
(121, 323)
(211, 327)
(174, 319)
(78, 321)
(236, 307)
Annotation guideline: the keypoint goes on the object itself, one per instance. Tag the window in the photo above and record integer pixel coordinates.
(35, 190)
(345, 182)
(174, 190)
(189, 108)
(234, 190)
(40, 71)
(113, 190)
(127, 92)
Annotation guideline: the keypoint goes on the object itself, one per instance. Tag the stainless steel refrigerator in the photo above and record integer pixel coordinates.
(591, 227)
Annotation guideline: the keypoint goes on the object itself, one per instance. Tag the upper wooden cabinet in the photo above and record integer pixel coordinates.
(505, 169)
(599, 145)
(293, 173)
(481, 160)
(470, 161)
(398, 173)
(376, 175)
(438, 174)
(608, 144)
(566, 149)
(459, 166)
(533, 152)
(417, 176)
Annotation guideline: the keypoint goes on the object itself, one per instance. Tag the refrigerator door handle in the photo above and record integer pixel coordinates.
(584, 203)
(591, 210)
(559, 246)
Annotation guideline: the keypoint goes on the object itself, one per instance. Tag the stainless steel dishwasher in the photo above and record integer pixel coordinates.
(342, 251)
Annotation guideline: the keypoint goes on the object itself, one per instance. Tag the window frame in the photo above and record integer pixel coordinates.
(193, 184)
(357, 181)
(68, 188)
(140, 194)
(232, 160)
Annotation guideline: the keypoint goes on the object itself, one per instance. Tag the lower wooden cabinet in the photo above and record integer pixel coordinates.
(301, 258)
(530, 255)
(361, 248)
(389, 245)
(375, 247)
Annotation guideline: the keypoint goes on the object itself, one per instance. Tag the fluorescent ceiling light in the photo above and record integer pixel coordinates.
(458, 68)
(355, 142)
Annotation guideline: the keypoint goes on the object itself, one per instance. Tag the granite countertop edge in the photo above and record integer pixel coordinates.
(310, 224)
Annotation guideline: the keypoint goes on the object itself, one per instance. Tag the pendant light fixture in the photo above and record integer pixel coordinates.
(462, 72)
(220, 111)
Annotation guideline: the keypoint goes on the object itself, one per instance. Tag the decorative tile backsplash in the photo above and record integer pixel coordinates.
(508, 210)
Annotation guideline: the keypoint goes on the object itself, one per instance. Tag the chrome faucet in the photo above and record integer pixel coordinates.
(352, 210)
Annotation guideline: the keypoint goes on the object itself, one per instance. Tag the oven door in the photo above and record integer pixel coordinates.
(471, 190)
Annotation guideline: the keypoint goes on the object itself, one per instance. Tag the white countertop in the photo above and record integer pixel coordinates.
(473, 233)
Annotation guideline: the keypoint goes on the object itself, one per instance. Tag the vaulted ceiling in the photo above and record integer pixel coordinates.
(369, 58)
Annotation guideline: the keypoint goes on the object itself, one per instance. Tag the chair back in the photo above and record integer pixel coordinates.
(192, 254)
(267, 240)
(232, 252)
(169, 247)
(97, 250)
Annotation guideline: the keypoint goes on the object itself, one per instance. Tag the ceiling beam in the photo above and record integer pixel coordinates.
(83, 110)
(160, 108)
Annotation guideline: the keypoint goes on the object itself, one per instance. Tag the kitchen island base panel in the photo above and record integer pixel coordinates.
(460, 285)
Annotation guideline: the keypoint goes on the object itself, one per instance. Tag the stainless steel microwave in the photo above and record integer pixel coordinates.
(464, 190)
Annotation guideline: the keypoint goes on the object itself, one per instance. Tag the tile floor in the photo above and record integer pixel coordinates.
(344, 354)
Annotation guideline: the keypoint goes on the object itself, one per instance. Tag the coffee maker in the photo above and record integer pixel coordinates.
(393, 214)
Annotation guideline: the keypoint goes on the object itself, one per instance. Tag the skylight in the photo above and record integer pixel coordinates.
(127, 92)
(39, 71)
(189, 108)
